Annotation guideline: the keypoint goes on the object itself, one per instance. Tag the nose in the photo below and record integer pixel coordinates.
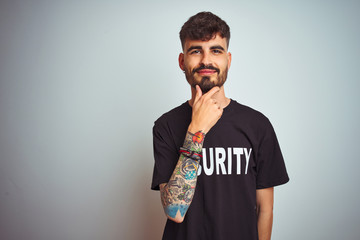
(206, 59)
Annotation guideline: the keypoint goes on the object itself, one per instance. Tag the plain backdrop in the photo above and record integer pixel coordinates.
(82, 83)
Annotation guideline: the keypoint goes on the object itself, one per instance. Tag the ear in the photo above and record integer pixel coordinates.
(229, 59)
(181, 61)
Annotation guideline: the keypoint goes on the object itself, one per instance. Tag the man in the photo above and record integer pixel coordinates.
(216, 161)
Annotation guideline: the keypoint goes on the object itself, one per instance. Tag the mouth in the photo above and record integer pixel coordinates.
(206, 72)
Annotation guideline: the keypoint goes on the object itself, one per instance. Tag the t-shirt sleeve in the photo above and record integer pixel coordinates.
(165, 155)
(271, 170)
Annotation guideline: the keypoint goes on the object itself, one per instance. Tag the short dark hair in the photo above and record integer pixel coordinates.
(204, 26)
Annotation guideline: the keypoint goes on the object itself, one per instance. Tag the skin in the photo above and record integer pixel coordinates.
(177, 194)
(175, 206)
(213, 52)
(264, 206)
(206, 111)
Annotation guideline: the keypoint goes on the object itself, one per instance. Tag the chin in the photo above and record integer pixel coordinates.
(207, 84)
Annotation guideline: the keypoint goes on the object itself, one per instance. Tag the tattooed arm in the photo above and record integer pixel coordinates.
(177, 194)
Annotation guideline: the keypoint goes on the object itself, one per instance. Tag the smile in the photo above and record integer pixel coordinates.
(206, 71)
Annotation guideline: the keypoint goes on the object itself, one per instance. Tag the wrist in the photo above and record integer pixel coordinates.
(194, 128)
(194, 141)
(194, 155)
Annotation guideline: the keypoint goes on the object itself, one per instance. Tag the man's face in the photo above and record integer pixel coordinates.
(205, 63)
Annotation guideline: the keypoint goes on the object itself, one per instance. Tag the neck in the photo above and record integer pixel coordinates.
(219, 97)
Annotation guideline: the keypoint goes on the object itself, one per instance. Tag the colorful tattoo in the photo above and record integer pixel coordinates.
(188, 166)
(198, 137)
(173, 209)
(194, 142)
(177, 194)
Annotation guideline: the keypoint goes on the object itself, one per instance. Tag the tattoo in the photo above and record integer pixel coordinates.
(195, 141)
(178, 193)
(189, 168)
(172, 210)
(198, 137)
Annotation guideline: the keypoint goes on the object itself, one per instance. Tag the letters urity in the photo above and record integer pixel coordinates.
(221, 160)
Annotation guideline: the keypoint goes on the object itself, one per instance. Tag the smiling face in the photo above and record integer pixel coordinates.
(205, 63)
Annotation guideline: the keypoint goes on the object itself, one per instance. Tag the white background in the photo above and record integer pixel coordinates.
(83, 81)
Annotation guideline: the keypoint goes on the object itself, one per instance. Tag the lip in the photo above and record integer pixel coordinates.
(206, 71)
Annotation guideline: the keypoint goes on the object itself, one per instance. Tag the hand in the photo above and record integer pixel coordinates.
(205, 112)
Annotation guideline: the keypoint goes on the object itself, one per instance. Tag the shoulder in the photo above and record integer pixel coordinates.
(247, 113)
(249, 120)
(171, 126)
(174, 114)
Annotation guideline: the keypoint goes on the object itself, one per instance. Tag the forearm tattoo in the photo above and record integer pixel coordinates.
(177, 194)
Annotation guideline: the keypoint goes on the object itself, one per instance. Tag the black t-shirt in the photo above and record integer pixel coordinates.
(240, 154)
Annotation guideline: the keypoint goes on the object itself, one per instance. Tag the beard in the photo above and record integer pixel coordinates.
(206, 83)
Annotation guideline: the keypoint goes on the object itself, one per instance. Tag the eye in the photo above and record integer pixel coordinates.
(217, 51)
(195, 52)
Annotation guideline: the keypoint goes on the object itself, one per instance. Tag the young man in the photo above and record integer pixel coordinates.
(216, 161)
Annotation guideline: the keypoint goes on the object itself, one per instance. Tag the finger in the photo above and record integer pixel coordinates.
(198, 93)
(212, 91)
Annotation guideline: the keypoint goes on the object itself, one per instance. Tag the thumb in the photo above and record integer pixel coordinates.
(198, 93)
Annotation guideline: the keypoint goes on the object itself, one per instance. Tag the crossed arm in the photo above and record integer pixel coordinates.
(177, 194)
